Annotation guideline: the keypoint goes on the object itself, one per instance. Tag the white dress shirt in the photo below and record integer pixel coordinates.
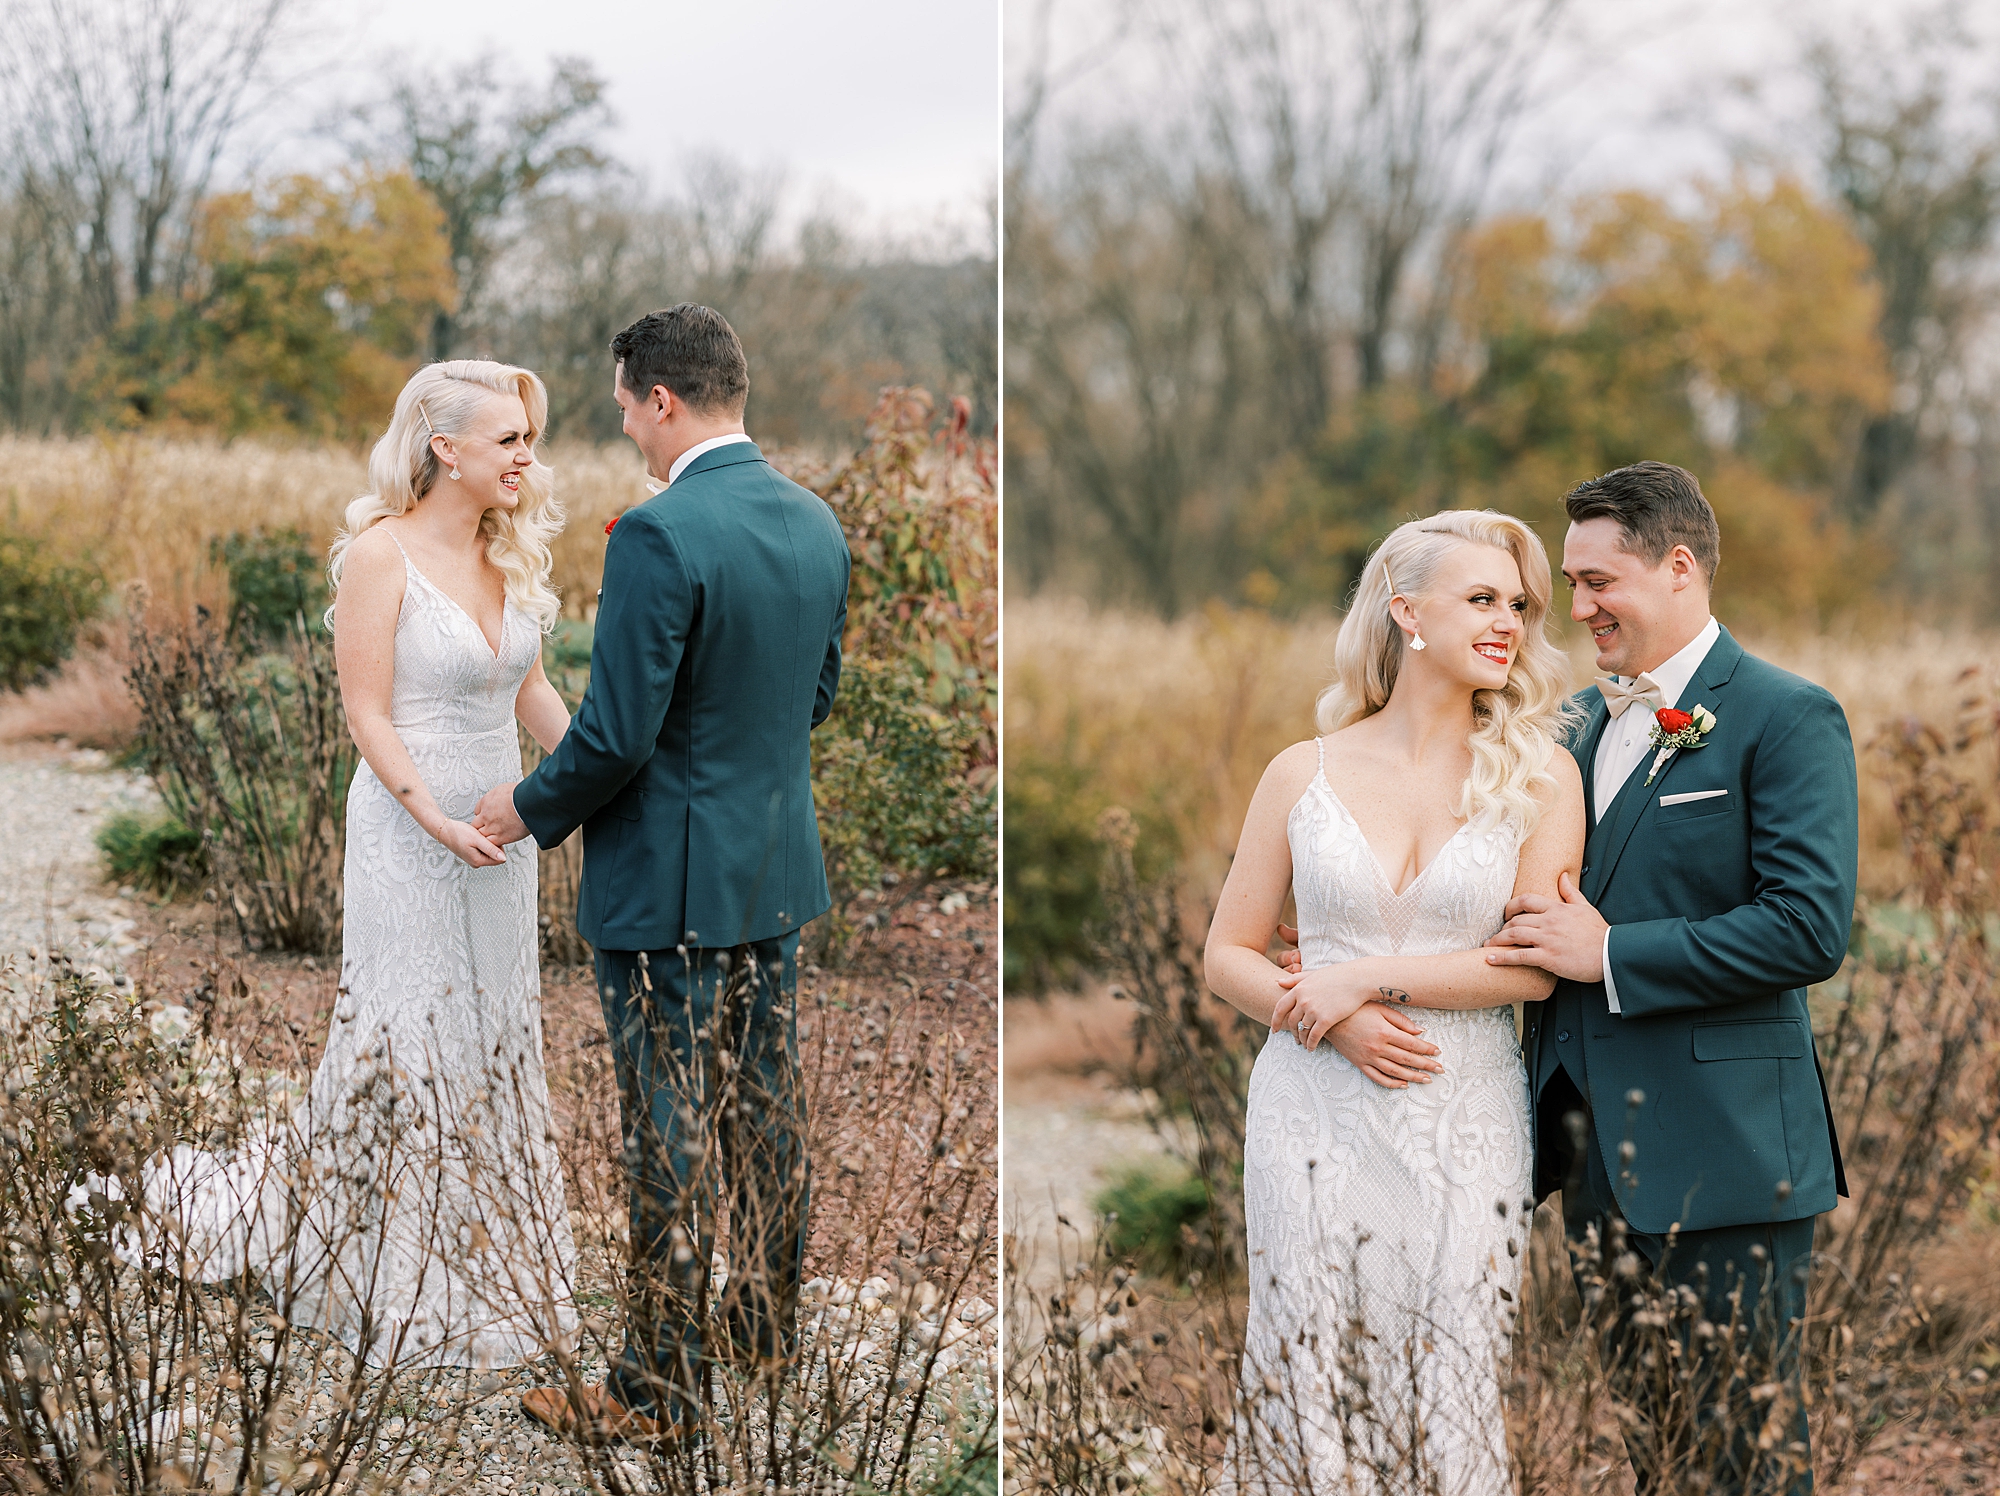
(681, 462)
(1626, 744)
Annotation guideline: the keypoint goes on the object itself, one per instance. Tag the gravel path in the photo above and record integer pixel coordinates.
(51, 874)
(1060, 1151)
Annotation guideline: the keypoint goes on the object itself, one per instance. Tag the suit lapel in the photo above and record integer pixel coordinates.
(1586, 753)
(1608, 838)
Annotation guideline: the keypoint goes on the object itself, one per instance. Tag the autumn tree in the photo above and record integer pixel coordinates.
(1738, 340)
(308, 310)
(115, 116)
(1195, 295)
(485, 163)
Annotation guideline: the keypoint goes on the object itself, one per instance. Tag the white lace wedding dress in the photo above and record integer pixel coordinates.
(1385, 1227)
(413, 1204)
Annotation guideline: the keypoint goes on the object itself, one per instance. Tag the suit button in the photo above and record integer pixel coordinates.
(1562, 1036)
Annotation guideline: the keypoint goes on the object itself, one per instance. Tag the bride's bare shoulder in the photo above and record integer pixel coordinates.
(1565, 781)
(375, 551)
(372, 576)
(1292, 770)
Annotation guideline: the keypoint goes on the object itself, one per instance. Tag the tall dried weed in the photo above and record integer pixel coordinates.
(189, 1255)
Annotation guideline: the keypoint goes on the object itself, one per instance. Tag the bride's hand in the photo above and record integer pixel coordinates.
(468, 846)
(1317, 1000)
(1384, 1045)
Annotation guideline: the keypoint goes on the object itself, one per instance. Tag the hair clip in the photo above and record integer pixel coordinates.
(427, 418)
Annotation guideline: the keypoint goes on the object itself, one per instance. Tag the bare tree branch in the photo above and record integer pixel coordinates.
(119, 115)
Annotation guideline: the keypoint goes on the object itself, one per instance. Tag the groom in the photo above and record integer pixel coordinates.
(1678, 1102)
(716, 652)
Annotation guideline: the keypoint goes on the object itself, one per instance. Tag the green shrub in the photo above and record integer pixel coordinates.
(971, 1469)
(1153, 1216)
(566, 659)
(1052, 898)
(43, 600)
(566, 662)
(275, 576)
(154, 851)
(893, 790)
(1053, 863)
(252, 752)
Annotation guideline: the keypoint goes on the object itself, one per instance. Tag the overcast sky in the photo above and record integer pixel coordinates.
(889, 108)
(1633, 97)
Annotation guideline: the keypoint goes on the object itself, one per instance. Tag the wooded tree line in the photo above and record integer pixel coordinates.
(148, 280)
(1247, 336)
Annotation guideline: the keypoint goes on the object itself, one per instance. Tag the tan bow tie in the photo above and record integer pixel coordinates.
(1643, 688)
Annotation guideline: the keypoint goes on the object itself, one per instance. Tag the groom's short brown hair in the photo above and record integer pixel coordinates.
(693, 351)
(1658, 506)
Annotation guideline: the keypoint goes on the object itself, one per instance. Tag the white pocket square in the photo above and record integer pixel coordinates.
(1691, 795)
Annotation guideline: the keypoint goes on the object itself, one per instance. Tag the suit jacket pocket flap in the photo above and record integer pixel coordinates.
(629, 804)
(1759, 1039)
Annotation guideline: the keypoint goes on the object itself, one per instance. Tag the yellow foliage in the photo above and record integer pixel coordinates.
(308, 313)
(1736, 339)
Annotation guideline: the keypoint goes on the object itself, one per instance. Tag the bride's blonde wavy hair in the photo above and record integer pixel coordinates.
(1518, 727)
(403, 468)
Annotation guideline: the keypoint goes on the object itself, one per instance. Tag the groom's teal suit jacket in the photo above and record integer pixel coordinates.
(1724, 909)
(716, 652)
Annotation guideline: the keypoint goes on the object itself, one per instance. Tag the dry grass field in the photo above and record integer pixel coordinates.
(149, 511)
(145, 509)
(1178, 719)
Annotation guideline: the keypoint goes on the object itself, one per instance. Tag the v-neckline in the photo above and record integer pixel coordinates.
(477, 627)
(1375, 862)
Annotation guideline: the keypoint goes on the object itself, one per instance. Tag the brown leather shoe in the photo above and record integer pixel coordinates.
(600, 1419)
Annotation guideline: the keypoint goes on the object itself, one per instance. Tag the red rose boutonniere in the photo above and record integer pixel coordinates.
(1674, 730)
(610, 523)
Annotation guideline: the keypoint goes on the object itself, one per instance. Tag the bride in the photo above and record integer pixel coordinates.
(1386, 1173)
(414, 1206)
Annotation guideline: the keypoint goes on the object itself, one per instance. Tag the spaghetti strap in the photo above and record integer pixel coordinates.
(1319, 743)
(406, 555)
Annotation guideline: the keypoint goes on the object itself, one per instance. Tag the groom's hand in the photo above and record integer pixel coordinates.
(1289, 958)
(1564, 936)
(495, 817)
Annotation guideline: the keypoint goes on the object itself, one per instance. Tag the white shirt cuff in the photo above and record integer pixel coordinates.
(1610, 987)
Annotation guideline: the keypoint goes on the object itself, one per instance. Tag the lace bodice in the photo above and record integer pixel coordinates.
(448, 678)
(1347, 908)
